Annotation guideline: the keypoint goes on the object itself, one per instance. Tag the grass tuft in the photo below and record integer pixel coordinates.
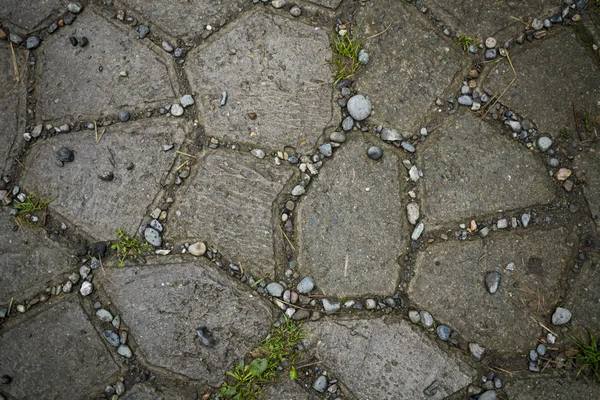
(128, 247)
(345, 58)
(466, 41)
(277, 350)
(588, 355)
(32, 204)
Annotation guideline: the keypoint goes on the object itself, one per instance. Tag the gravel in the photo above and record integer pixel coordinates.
(176, 110)
(390, 135)
(153, 237)
(465, 101)
(187, 100)
(477, 351)
(492, 281)
(104, 315)
(326, 149)
(414, 316)
(561, 316)
(347, 123)
(544, 143)
(296, 11)
(426, 319)
(330, 306)
(416, 233)
(32, 42)
(275, 289)
(112, 338)
(305, 285)
(359, 107)
(143, 31)
(320, 384)
(443, 332)
(125, 351)
(412, 212)
(375, 152)
(86, 288)
(197, 249)
(124, 115)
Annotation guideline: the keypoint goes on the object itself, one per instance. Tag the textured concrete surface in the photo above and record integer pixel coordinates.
(165, 305)
(268, 67)
(554, 388)
(96, 206)
(27, 15)
(471, 169)
(386, 359)
(228, 204)
(55, 353)
(148, 391)
(584, 298)
(351, 227)
(72, 87)
(587, 167)
(504, 322)
(411, 65)
(286, 389)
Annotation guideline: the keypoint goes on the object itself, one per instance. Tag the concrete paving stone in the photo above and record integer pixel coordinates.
(286, 389)
(327, 3)
(56, 354)
(411, 64)
(587, 167)
(99, 207)
(552, 388)
(546, 91)
(12, 105)
(449, 283)
(72, 86)
(149, 391)
(470, 169)
(29, 261)
(164, 306)
(270, 66)
(186, 19)
(386, 359)
(29, 14)
(228, 204)
(491, 18)
(583, 300)
(351, 227)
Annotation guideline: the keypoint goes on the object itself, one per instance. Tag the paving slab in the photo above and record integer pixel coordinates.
(29, 262)
(276, 75)
(186, 19)
(29, 14)
(286, 389)
(351, 223)
(100, 207)
(85, 83)
(411, 64)
(587, 167)
(13, 105)
(470, 169)
(583, 300)
(545, 91)
(327, 3)
(55, 355)
(491, 18)
(449, 282)
(148, 391)
(228, 204)
(553, 388)
(386, 359)
(164, 306)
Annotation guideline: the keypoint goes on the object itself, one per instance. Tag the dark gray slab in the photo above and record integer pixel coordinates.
(29, 262)
(148, 391)
(71, 86)
(96, 206)
(28, 14)
(587, 167)
(583, 300)
(386, 359)
(327, 3)
(273, 67)
(351, 222)
(479, 19)
(228, 204)
(471, 169)
(411, 64)
(286, 389)
(544, 91)
(552, 388)
(55, 355)
(449, 283)
(164, 305)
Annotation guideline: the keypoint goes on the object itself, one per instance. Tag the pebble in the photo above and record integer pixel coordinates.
(359, 107)
(187, 100)
(153, 237)
(197, 249)
(347, 123)
(176, 110)
(363, 57)
(21, 308)
(492, 281)
(104, 315)
(124, 115)
(52, 28)
(330, 306)
(106, 176)
(502, 223)
(258, 153)
(16, 39)
(86, 288)
(296, 11)
(533, 355)
(370, 304)
(408, 147)
(65, 155)
(412, 212)
(32, 42)
(553, 162)
(75, 8)
(116, 322)
(326, 149)
(514, 125)
(125, 351)
(465, 101)
(167, 47)
(306, 285)
(533, 367)
(525, 218)
(338, 137)
(414, 316)
(390, 135)
(120, 388)
(550, 338)
(416, 233)
(488, 395)
(490, 42)
(563, 174)
(443, 332)
(413, 173)
(477, 351)
(298, 190)
(278, 3)
(544, 143)
(426, 319)
(143, 31)
(375, 152)
(541, 349)
(561, 316)
(537, 24)
(275, 289)
(320, 384)
(491, 54)
(112, 338)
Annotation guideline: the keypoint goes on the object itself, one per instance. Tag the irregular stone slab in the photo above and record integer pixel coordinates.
(165, 305)
(583, 300)
(286, 389)
(100, 207)
(327, 3)
(187, 19)
(412, 64)
(492, 18)
(29, 14)
(29, 261)
(72, 86)
(553, 388)
(587, 166)
(350, 224)
(547, 84)
(55, 355)
(386, 359)
(228, 204)
(269, 66)
(12, 105)
(470, 169)
(501, 322)
(148, 391)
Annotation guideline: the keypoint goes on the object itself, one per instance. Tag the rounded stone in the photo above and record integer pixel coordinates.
(275, 289)
(489, 395)
(65, 155)
(359, 107)
(296, 11)
(490, 42)
(306, 285)
(153, 237)
(414, 316)
(125, 351)
(86, 288)
(32, 42)
(412, 212)
(338, 137)
(124, 115)
(544, 143)
(104, 315)
(176, 110)
(320, 384)
(75, 8)
(197, 249)
(426, 319)
(492, 281)
(561, 316)
(375, 152)
(541, 349)
(347, 123)
(187, 100)
(390, 135)
(477, 351)
(443, 332)
(112, 338)
(370, 304)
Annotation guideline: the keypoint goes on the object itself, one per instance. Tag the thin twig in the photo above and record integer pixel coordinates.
(101, 134)
(182, 165)
(546, 328)
(547, 363)
(96, 131)
(519, 19)
(292, 305)
(576, 124)
(104, 271)
(308, 365)
(380, 33)
(506, 89)
(503, 370)
(288, 239)
(12, 298)
(15, 66)
(185, 154)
